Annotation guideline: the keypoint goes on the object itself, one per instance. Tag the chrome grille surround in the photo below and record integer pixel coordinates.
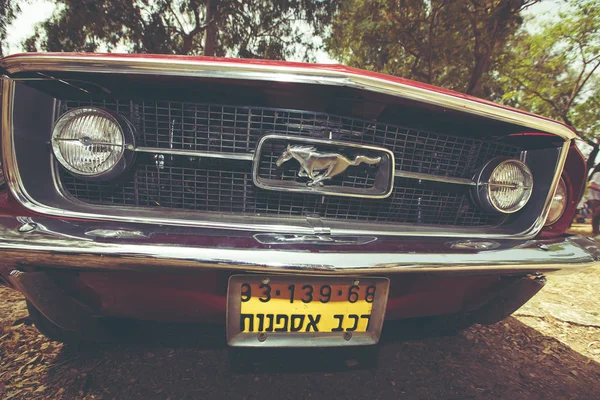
(19, 179)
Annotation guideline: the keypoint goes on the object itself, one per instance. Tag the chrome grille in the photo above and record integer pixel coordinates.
(226, 186)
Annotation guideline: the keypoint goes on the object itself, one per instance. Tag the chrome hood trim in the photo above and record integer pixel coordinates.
(315, 74)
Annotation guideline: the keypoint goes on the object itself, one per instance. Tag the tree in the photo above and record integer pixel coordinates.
(556, 71)
(8, 11)
(453, 44)
(254, 29)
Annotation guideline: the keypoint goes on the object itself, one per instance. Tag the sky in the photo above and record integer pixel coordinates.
(23, 26)
(37, 11)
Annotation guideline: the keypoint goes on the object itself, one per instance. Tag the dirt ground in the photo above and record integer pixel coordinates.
(549, 349)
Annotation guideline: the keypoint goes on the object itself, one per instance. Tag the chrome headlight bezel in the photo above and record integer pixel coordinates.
(483, 195)
(124, 156)
(560, 195)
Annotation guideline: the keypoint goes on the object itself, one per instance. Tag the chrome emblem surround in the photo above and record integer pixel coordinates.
(322, 160)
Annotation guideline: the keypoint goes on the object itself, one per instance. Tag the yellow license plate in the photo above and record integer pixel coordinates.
(305, 311)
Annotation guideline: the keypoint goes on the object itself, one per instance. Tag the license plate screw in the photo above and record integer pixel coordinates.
(262, 337)
(265, 280)
(356, 282)
(347, 336)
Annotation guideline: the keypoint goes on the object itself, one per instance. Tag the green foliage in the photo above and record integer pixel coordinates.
(262, 29)
(479, 47)
(556, 71)
(472, 46)
(453, 44)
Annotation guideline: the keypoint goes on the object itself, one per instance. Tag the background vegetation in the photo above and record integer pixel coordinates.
(479, 47)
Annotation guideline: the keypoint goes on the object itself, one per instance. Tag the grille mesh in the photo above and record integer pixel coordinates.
(221, 186)
(226, 186)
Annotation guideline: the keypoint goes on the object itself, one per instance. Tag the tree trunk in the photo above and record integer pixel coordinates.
(481, 66)
(483, 53)
(210, 34)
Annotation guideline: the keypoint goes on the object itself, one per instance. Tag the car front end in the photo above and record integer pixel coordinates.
(296, 204)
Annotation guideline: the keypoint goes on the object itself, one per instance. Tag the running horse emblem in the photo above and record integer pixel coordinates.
(321, 166)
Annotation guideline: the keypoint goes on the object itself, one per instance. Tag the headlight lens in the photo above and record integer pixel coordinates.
(510, 186)
(559, 203)
(504, 185)
(88, 141)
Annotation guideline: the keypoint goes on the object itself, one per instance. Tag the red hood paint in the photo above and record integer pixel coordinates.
(301, 65)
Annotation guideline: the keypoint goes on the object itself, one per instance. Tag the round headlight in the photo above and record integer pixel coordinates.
(90, 142)
(559, 203)
(504, 185)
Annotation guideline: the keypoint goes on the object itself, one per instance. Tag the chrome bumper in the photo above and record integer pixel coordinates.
(50, 243)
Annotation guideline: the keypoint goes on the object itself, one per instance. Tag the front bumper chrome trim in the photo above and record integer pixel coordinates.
(62, 244)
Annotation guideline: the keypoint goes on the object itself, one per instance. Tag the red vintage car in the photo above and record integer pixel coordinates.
(296, 204)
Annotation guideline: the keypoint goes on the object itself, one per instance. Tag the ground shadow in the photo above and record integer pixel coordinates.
(505, 360)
